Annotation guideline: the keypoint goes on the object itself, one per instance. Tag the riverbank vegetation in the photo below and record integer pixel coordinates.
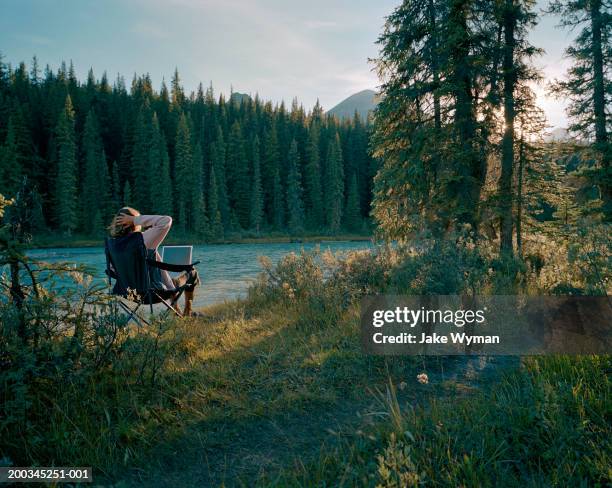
(275, 391)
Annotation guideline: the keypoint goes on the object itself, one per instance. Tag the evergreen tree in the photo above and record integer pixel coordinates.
(516, 18)
(178, 96)
(273, 200)
(183, 171)
(217, 152)
(588, 84)
(352, 215)
(11, 166)
(216, 224)
(334, 185)
(127, 194)
(238, 176)
(312, 180)
(96, 188)
(277, 209)
(159, 162)
(116, 185)
(537, 176)
(295, 206)
(437, 125)
(199, 220)
(256, 211)
(66, 182)
(141, 173)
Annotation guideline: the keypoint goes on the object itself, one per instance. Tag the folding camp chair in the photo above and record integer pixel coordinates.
(137, 276)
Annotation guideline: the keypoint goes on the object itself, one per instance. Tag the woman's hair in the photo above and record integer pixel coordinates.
(116, 230)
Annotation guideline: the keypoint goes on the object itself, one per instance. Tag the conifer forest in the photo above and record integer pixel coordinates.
(220, 167)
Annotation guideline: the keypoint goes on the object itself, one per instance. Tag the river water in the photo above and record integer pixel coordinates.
(226, 270)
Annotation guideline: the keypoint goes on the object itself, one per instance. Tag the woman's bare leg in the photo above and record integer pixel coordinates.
(188, 302)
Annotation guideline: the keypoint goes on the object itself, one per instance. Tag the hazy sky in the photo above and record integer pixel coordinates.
(277, 48)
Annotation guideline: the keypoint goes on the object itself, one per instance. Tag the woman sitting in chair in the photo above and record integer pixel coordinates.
(156, 227)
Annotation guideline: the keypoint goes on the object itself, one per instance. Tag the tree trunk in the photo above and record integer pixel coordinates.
(18, 297)
(469, 163)
(505, 180)
(519, 198)
(434, 66)
(599, 97)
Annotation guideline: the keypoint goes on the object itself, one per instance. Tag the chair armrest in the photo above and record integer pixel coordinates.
(171, 267)
(111, 274)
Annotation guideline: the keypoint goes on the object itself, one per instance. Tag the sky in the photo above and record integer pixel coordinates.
(280, 49)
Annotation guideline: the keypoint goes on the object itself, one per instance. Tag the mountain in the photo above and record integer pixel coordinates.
(557, 135)
(363, 102)
(238, 98)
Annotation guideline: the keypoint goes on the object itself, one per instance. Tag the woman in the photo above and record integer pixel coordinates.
(156, 227)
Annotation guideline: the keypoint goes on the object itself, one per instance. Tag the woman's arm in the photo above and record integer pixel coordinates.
(159, 226)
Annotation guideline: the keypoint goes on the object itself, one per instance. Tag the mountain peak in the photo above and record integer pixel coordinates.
(363, 102)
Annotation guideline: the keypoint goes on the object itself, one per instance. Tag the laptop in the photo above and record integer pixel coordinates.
(176, 255)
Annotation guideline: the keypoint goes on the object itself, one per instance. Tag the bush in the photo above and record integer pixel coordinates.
(65, 353)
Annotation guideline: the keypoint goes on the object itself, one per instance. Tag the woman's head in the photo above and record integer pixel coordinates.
(117, 230)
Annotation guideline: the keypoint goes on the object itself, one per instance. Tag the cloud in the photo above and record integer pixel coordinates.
(37, 40)
(320, 24)
(150, 30)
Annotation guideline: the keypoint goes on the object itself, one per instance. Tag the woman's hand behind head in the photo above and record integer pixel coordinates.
(124, 220)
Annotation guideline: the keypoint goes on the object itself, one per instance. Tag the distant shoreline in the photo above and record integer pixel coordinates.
(53, 242)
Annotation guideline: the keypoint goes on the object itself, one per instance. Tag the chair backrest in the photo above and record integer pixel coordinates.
(128, 257)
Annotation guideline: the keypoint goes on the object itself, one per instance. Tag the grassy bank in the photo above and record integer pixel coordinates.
(51, 241)
(271, 396)
(546, 424)
(275, 391)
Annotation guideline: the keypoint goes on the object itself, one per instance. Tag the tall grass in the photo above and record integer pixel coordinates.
(548, 424)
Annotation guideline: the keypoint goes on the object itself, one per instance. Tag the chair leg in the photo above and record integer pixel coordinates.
(170, 306)
(133, 314)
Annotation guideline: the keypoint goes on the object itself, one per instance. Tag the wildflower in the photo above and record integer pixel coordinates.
(423, 378)
(402, 385)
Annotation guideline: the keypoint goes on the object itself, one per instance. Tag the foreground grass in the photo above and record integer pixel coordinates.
(239, 365)
(248, 395)
(547, 424)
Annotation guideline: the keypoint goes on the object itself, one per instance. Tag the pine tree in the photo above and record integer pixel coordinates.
(116, 185)
(273, 195)
(295, 206)
(588, 84)
(66, 182)
(158, 161)
(95, 195)
(536, 175)
(178, 96)
(256, 211)
(238, 176)
(334, 185)
(216, 224)
(127, 194)
(516, 17)
(278, 220)
(10, 163)
(199, 220)
(183, 171)
(217, 152)
(141, 173)
(312, 180)
(352, 215)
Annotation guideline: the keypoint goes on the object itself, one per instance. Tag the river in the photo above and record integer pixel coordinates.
(226, 270)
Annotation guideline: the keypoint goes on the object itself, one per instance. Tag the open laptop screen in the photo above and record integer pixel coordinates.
(177, 255)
